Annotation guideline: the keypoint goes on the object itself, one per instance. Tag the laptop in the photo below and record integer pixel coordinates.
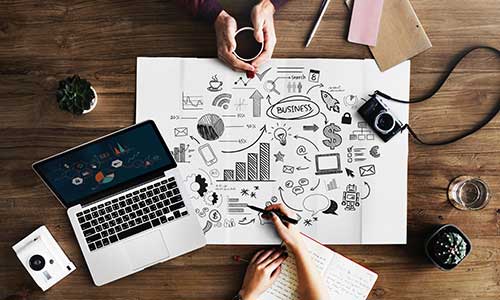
(126, 201)
(328, 164)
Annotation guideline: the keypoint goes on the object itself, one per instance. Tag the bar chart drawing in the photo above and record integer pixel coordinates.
(256, 168)
(180, 153)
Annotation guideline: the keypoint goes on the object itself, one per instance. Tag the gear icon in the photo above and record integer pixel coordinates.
(197, 184)
(212, 199)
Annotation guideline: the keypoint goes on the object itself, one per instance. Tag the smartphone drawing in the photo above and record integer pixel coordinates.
(207, 154)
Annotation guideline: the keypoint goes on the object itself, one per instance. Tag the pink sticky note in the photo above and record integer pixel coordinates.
(365, 22)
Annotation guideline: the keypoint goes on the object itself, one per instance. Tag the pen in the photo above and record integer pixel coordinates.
(282, 217)
(322, 10)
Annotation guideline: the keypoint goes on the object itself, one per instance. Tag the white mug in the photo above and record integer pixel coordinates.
(242, 58)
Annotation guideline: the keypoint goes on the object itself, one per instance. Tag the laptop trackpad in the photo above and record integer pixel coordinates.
(146, 250)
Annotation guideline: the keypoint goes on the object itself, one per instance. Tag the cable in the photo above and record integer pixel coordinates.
(438, 86)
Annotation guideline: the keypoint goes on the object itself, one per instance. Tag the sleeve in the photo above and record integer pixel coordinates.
(204, 9)
(278, 3)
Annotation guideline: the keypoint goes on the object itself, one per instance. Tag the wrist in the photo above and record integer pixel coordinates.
(246, 295)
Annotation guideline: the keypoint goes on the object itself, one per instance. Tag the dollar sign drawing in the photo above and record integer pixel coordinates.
(334, 139)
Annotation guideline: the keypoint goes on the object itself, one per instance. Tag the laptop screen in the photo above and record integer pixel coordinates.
(328, 161)
(107, 165)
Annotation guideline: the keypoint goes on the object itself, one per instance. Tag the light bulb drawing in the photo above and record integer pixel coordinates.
(280, 134)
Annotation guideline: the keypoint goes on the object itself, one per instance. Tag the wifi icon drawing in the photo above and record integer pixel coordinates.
(222, 100)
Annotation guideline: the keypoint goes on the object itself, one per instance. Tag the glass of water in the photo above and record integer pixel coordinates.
(469, 193)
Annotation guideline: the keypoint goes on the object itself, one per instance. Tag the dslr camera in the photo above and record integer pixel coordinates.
(380, 118)
(43, 258)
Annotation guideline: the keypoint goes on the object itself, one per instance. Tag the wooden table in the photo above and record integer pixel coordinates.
(45, 41)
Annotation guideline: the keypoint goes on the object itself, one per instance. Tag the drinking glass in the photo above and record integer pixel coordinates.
(469, 193)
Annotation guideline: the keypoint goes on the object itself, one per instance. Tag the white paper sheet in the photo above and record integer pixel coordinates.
(255, 141)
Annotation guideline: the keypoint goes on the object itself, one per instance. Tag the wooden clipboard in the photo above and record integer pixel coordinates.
(401, 35)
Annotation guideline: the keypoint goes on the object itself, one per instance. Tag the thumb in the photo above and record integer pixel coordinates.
(258, 25)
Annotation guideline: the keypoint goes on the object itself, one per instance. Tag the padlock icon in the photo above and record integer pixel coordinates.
(346, 118)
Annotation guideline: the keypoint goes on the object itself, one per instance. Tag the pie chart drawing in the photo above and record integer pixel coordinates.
(210, 127)
(102, 179)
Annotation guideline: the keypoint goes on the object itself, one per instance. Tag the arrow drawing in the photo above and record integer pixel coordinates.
(262, 131)
(349, 172)
(300, 137)
(268, 98)
(302, 168)
(305, 157)
(256, 97)
(245, 222)
(369, 191)
(283, 200)
(312, 128)
(194, 139)
(314, 188)
(314, 86)
(326, 119)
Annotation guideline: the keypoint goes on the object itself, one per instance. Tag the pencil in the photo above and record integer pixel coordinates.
(322, 10)
(282, 217)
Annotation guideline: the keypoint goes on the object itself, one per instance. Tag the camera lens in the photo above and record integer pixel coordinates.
(384, 122)
(37, 262)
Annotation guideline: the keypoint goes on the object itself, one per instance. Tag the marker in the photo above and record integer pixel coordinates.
(322, 10)
(282, 217)
(239, 258)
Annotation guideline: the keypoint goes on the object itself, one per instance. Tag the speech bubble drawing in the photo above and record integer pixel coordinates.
(298, 190)
(332, 209)
(316, 203)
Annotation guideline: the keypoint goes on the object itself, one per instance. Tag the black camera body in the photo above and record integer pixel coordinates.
(380, 118)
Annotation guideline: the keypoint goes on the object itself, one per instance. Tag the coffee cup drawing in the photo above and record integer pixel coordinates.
(247, 47)
(214, 84)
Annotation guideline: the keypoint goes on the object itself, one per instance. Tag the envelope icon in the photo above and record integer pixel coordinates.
(180, 131)
(367, 170)
(288, 169)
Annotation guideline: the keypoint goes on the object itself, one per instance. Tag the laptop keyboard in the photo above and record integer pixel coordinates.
(124, 216)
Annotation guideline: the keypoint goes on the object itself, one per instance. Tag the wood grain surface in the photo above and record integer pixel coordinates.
(44, 41)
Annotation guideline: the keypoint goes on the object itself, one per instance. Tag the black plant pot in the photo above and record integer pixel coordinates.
(447, 247)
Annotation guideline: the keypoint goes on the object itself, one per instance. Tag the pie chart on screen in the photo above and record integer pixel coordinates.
(102, 179)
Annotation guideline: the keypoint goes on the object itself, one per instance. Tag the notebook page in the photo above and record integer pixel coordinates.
(347, 280)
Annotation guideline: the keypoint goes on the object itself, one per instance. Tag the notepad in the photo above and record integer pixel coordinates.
(345, 279)
(365, 22)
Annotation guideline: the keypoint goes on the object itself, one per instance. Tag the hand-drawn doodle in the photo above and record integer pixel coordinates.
(316, 203)
(261, 75)
(191, 102)
(356, 154)
(214, 85)
(305, 157)
(308, 222)
(314, 75)
(240, 103)
(289, 184)
(316, 186)
(262, 131)
(212, 199)
(207, 154)
(336, 89)
(180, 131)
(256, 187)
(303, 181)
(222, 100)
(218, 224)
(258, 167)
(280, 134)
(274, 199)
(197, 184)
(294, 107)
(256, 99)
(350, 197)
(181, 153)
(194, 139)
(333, 138)
(253, 195)
(350, 100)
(245, 192)
(229, 223)
(363, 133)
(280, 189)
(328, 164)
(374, 151)
(201, 213)
(242, 80)
(312, 128)
(294, 87)
(290, 70)
(214, 216)
(279, 156)
(210, 127)
(346, 118)
(349, 172)
(288, 169)
(332, 209)
(214, 173)
(270, 85)
(332, 185)
(297, 190)
(331, 103)
(207, 227)
(301, 168)
(367, 170)
(244, 221)
(369, 190)
(320, 85)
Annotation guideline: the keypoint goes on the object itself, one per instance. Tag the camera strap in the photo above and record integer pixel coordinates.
(440, 83)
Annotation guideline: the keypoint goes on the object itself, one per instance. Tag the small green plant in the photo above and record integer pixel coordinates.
(75, 95)
(450, 248)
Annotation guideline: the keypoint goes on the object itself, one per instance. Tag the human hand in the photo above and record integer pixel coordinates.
(225, 30)
(263, 24)
(288, 232)
(262, 271)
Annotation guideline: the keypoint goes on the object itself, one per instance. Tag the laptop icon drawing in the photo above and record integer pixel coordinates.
(328, 164)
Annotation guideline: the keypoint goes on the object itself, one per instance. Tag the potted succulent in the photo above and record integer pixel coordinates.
(447, 247)
(76, 95)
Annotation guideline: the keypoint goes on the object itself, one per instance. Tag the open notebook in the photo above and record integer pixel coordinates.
(345, 279)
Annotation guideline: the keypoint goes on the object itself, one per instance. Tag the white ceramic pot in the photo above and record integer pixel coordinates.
(93, 104)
